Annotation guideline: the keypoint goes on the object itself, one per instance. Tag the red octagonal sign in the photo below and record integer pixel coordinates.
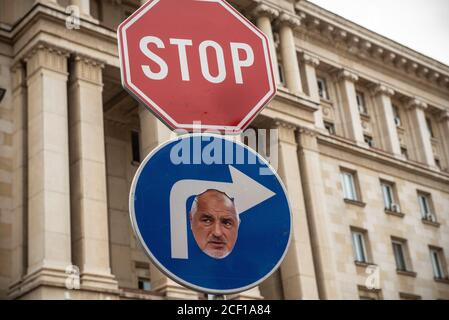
(196, 62)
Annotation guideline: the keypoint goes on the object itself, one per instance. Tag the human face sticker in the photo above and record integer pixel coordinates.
(214, 223)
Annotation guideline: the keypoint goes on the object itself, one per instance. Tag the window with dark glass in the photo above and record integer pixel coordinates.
(322, 88)
(369, 141)
(429, 127)
(361, 102)
(135, 145)
(330, 127)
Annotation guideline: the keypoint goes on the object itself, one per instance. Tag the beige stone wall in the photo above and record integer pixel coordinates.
(125, 251)
(381, 227)
(6, 176)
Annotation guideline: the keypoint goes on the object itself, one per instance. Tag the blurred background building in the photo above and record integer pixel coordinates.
(363, 151)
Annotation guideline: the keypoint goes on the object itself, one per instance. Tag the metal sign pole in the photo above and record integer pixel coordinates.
(216, 297)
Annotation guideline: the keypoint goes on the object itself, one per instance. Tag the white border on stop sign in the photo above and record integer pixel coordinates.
(163, 116)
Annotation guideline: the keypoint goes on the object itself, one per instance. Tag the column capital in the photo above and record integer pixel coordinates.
(416, 103)
(18, 75)
(286, 19)
(286, 131)
(307, 131)
(263, 10)
(444, 116)
(347, 75)
(87, 68)
(307, 138)
(45, 55)
(310, 59)
(381, 89)
(279, 123)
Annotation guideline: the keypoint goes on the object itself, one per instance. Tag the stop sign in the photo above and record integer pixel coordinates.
(196, 62)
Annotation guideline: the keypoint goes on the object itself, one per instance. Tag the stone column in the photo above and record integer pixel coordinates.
(153, 132)
(317, 217)
(422, 146)
(352, 125)
(49, 248)
(90, 239)
(297, 269)
(444, 125)
(287, 25)
(264, 15)
(83, 5)
(19, 202)
(388, 134)
(309, 64)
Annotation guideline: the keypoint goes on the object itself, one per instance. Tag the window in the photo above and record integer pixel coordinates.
(330, 127)
(322, 88)
(361, 102)
(349, 188)
(425, 205)
(397, 118)
(389, 196)
(429, 127)
(369, 141)
(144, 284)
(281, 73)
(135, 145)
(359, 246)
(404, 152)
(438, 163)
(438, 266)
(401, 255)
(143, 275)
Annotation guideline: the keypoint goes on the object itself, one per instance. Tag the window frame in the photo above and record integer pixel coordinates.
(324, 90)
(439, 266)
(359, 246)
(361, 102)
(392, 195)
(427, 203)
(396, 115)
(401, 245)
(354, 190)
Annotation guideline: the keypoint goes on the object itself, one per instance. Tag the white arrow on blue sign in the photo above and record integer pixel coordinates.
(161, 197)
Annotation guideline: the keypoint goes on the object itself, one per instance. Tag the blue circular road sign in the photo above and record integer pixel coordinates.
(211, 213)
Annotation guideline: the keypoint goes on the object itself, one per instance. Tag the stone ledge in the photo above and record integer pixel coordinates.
(300, 101)
(442, 280)
(406, 273)
(355, 202)
(135, 294)
(394, 213)
(430, 223)
(364, 264)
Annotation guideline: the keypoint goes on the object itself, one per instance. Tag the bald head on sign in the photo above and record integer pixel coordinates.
(215, 223)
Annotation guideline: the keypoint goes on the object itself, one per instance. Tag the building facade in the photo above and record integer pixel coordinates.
(363, 150)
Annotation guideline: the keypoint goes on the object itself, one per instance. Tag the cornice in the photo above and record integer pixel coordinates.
(368, 45)
(383, 158)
